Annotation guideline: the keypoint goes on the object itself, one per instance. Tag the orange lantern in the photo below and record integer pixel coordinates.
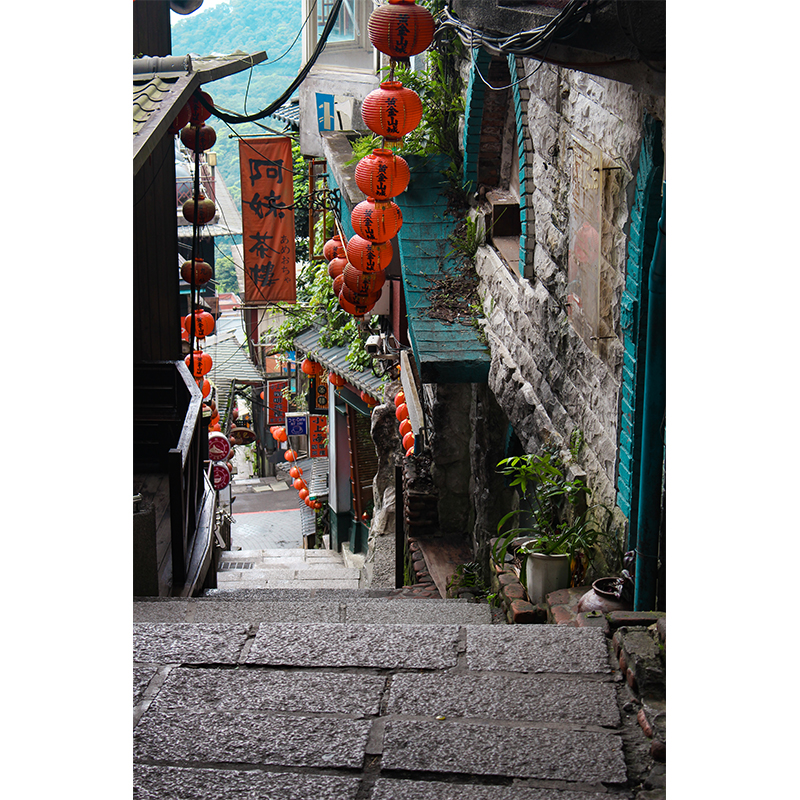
(357, 310)
(299, 483)
(392, 110)
(202, 271)
(363, 282)
(203, 323)
(368, 399)
(198, 138)
(402, 412)
(205, 387)
(336, 266)
(336, 380)
(296, 471)
(356, 304)
(197, 112)
(333, 248)
(401, 29)
(377, 221)
(290, 455)
(280, 434)
(382, 174)
(205, 210)
(338, 283)
(303, 494)
(199, 363)
(369, 256)
(311, 367)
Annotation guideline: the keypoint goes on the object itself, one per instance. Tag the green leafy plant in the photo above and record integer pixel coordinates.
(467, 576)
(466, 239)
(554, 517)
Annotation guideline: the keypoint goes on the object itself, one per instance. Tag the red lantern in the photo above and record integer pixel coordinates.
(336, 266)
(351, 308)
(377, 221)
(203, 324)
(392, 110)
(197, 113)
(299, 484)
(362, 301)
(311, 367)
(408, 441)
(338, 283)
(296, 472)
(336, 380)
(382, 174)
(180, 121)
(409, 452)
(290, 455)
(199, 363)
(303, 494)
(205, 387)
(205, 210)
(333, 248)
(207, 137)
(401, 29)
(363, 282)
(369, 256)
(368, 399)
(280, 434)
(405, 427)
(400, 397)
(402, 412)
(202, 271)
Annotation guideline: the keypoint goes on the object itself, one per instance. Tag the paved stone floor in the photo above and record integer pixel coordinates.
(266, 530)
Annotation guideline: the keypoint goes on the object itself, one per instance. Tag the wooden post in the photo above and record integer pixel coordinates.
(399, 532)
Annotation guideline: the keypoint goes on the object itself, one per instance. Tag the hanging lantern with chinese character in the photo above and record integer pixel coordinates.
(363, 282)
(333, 248)
(382, 174)
(205, 210)
(198, 138)
(199, 363)
(197, 112)
(377, 221)
(392, 110)
(203, 324)
(401, 28)
(369, 256)
(336, 380)
(311, 367)
(202, 271)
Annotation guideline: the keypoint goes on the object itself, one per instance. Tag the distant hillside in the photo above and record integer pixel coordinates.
(248, 25)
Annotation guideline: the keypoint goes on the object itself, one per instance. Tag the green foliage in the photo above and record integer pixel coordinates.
(468, 576)
(466, 239)
(554, 515)
(225, 274)
(363, 146)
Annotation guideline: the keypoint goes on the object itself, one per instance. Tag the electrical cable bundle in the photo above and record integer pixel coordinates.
(525, 43)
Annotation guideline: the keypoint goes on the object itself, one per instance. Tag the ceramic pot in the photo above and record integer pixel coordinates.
(601, 598)
(545, 574)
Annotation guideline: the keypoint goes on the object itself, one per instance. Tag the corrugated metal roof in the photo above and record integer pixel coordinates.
(290, 114)
(335, 359)
(230, 360)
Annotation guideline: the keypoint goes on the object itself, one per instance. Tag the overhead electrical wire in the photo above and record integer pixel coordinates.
(301, 76)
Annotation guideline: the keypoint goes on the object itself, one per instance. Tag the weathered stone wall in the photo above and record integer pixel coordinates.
(545, 377)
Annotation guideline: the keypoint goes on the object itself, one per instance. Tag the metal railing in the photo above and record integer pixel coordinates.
(186, 484)
(184, 185)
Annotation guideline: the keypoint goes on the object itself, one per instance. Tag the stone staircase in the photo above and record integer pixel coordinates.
(286, 682)
(288, 568)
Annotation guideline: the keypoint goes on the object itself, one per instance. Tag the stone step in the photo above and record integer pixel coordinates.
(287, 555)
(347, 610)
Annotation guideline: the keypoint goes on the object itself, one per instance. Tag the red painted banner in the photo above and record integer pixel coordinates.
(277, 404)
(317, 435)
(267, 219)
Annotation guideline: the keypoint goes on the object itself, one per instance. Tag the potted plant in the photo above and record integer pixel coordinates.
(555, 530)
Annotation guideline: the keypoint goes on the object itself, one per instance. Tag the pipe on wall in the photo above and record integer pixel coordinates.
(653, 427)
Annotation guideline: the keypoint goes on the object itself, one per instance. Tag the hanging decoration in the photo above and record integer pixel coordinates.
(336, 380)
(203, 323)
(369, 256)
(336, 266)
(198, 138)
(382, 174)
(202, 271)
(392, 110)
(199, 363)
(204, 210)
(401, 28)
(377, 221)
(310, 367)
(333, 248)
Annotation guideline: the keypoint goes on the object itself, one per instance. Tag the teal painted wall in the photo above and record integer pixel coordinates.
(633, 315)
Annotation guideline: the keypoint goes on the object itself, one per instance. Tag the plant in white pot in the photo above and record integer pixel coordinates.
(554, 529)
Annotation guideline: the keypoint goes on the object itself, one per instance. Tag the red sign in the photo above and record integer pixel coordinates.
(317, 435)
(277, 404)
(318, 386)
(267, 219)
(219, 448)
(221, 476)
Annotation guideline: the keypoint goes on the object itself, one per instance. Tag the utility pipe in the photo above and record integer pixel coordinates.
(653, 426)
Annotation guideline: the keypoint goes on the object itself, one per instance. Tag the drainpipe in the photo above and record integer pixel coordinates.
(653, 424)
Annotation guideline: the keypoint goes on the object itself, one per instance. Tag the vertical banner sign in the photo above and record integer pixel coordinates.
(277, 404)
(267, 219)
(325, 116)
(317, 434)
(318, 394)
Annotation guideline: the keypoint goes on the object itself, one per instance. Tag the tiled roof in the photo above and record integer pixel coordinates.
(290, 114)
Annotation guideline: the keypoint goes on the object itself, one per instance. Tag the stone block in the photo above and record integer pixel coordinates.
(401, 789)
(232, 784)
(176, 643)
(381, 646)
(628, 619)
(537, 648)
(509, 750)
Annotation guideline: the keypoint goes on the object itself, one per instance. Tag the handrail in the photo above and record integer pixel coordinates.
(192, 413)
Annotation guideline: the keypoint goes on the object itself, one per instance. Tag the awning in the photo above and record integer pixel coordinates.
(445, 352)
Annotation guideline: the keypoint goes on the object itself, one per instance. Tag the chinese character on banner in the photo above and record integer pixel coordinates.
(277, 404)
(317, 435)
(267, 219)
